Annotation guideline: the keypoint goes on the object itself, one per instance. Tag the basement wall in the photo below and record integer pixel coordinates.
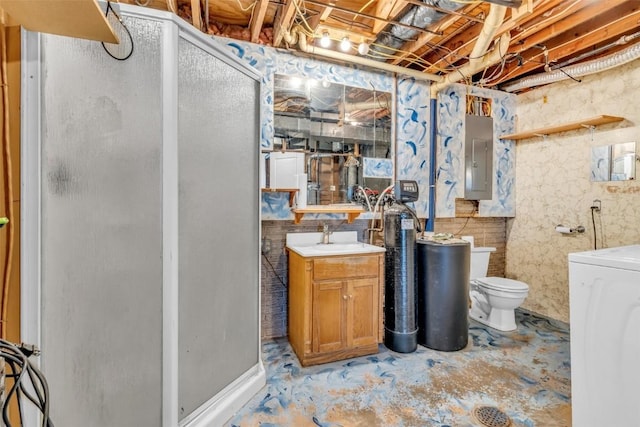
(553, 184)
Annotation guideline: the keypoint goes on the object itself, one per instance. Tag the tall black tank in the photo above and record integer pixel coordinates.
(400, 323)
(443, 294)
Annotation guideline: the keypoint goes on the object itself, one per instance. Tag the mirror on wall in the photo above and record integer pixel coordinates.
(344, 132)
(615, 162)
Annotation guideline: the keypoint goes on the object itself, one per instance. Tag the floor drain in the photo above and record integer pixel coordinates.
(490, 416)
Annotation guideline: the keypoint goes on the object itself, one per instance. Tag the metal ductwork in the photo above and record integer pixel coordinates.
(417, 16)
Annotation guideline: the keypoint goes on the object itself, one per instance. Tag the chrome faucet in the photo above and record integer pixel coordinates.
(325, 234)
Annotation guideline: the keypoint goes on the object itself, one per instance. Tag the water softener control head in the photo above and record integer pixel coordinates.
(406, 191)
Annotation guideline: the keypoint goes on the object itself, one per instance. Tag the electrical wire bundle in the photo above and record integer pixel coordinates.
(28, 381)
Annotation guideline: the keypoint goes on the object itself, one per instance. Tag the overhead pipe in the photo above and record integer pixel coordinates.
(579, 70)
(620, 42)
(478, 61)
(296, 36)
(489, 28)
(366, 105)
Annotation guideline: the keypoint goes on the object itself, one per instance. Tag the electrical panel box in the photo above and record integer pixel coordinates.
(478, 150)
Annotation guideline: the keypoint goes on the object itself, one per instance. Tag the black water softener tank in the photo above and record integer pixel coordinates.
(443, 294)
(400, 323)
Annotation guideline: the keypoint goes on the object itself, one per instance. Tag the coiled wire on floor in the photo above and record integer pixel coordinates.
(23, 380)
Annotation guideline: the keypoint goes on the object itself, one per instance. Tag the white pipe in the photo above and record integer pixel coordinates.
(491, 24)
(365, 197)
(375, 210)
(584, 69)
(302, 44)
(479, 59)
(366, 105)
(469, 69)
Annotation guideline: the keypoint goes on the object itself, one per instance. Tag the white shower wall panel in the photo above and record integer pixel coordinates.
(102, 230)
(140, 252)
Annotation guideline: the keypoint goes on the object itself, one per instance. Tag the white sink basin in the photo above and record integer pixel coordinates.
(339, 247)
(341, 243)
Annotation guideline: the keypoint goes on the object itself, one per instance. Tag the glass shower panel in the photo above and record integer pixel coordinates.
(218, 225)
(102, 230)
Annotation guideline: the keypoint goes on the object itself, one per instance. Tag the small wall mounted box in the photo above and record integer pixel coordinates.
(284, 168)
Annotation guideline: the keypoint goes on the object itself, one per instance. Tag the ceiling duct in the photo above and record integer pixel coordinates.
(417, 16)
(578, 70)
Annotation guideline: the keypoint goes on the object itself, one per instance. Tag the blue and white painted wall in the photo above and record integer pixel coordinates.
(411, 128)
(450, 153)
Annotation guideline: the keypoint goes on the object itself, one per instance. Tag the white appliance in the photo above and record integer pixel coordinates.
(605, 336)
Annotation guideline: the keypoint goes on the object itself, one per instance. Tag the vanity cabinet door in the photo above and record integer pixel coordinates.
(362, 312)
(345, 314)
(329, 305)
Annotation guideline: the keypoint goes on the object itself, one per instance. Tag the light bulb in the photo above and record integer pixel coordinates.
(363, 48)
(325, 41)
(345, 44)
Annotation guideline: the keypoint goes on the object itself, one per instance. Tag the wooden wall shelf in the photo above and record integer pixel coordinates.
(352, 212)
(291, 192)
(587, 123)
(72, 18)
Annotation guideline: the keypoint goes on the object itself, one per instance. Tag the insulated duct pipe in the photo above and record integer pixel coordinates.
(470, 69)
(300, 38)
(579, 70)
(491, 24)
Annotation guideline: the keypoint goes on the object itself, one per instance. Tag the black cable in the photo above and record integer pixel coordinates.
(414, 215)
(274, 270)
(17, 358)
(595, 235)
(476, 208)
(570, 76)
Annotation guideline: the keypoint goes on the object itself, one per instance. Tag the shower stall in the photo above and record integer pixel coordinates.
(140, 272)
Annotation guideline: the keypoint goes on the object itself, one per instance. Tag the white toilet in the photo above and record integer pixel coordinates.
(493, 299)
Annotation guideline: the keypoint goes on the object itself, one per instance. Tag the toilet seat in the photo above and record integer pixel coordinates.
(502, 284)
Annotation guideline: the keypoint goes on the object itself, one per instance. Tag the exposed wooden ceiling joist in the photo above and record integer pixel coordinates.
(284, 19)
(567, 28)
(259, 12)
(583, 37)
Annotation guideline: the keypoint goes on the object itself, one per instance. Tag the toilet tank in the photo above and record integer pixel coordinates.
(480, 262)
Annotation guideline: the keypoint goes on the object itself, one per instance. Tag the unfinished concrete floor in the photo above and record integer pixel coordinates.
(525, 374)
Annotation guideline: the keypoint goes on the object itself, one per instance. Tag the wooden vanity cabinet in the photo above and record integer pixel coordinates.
(335, 306)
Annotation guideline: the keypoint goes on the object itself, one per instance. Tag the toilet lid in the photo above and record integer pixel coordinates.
(503, 284)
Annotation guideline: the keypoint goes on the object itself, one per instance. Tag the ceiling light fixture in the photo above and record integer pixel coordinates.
(363, 48)
(345, 44)
(325, 41)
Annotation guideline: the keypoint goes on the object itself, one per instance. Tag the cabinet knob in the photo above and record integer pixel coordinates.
(350, 296)
(344, 297)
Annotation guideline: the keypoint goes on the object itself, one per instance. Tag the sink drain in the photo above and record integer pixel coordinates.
(490, 416)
